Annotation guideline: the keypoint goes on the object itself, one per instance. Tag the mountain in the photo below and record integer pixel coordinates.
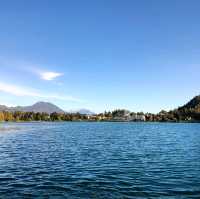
(189, 111)
(82, 111)
(4, 108)
(37, 107)
(193, 104)
(43, 107)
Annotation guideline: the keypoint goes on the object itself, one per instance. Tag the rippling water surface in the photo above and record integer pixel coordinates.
(99, 160)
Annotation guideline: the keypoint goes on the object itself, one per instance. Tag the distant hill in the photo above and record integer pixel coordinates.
(43, 107)
(192, 105)
(37, 107)
(82, 111)
(189, 111)
(4, 108)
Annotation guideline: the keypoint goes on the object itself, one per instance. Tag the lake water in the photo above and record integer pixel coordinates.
(99, 160)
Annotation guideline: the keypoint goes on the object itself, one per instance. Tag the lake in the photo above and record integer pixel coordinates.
(99, 160)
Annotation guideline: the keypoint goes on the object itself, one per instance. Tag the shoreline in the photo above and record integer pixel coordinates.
(88, 121)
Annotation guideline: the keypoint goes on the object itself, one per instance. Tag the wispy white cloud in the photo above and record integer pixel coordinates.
(21, 91)
(17, 91)
(38, 70)
(49, 76)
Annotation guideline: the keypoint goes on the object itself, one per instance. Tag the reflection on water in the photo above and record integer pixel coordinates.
(8, 129)
(99, 160)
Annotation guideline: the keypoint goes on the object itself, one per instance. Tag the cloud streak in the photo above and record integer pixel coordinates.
(27, 92)
(45, 74)
(37, 70)
(49, 76)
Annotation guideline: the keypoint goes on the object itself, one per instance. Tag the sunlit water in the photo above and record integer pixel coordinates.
(99, 160)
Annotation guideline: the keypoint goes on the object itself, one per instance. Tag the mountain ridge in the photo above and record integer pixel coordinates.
(190, 108)
(82, 111)
(193, 104)
(45, 107)
(40, 107)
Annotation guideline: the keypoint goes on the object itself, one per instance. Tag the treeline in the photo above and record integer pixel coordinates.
(174, 116)
(31, 116)
(185, 113)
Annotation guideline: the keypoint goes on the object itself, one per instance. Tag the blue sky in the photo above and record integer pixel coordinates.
(142, 55)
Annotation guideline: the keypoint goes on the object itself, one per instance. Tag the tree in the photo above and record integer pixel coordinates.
(1, 116)
(8, 116)
(38, 116)
(55, 116)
